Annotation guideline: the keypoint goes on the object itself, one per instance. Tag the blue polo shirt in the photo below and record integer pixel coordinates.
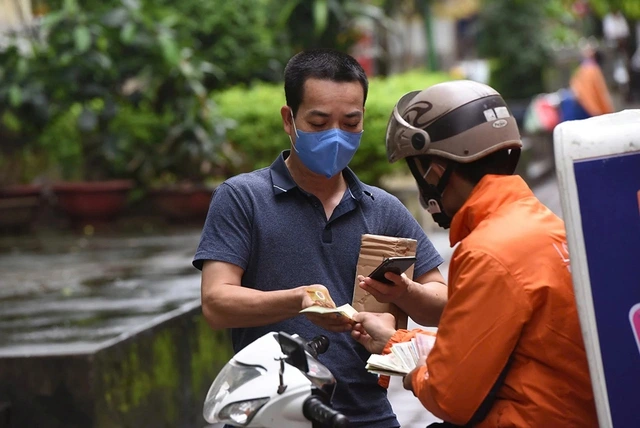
(280, 236)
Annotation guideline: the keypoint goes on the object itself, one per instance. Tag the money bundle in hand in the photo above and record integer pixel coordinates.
(404, 356)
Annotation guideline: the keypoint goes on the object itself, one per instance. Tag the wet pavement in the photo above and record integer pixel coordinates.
(61, 293)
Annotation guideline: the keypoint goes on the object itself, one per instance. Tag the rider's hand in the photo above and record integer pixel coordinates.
(385, 293)
(373, 330)
(406, 380)
(318, 294)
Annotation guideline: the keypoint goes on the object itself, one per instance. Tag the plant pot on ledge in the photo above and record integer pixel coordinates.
(92, 202)
(19, 206)
(183, 204)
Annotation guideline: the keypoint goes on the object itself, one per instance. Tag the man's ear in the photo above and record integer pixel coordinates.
(286, 114)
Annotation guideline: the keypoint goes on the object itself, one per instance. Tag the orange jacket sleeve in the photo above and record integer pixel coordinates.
(478, 331)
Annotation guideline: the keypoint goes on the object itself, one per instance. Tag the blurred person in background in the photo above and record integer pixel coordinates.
(589, 86)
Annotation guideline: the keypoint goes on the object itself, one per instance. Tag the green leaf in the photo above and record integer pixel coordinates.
(82, 39)
(170, 50)
(320, 15)
(286, 11)
(71, 6)
(128, 32)
(15, 95)
(50, 20)
(10, 121)
(22, 67)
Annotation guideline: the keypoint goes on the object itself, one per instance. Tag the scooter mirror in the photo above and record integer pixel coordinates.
(294, 349)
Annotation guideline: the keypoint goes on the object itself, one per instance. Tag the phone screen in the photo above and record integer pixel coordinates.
(396, 265)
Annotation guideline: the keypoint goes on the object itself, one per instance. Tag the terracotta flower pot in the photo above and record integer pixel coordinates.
(92, 201)
(19, 206)
(182, 204)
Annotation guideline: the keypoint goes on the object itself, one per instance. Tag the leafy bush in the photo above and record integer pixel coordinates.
(512, 35)
(100, 90)
(629, 8)
(240, 37)
(258, 136)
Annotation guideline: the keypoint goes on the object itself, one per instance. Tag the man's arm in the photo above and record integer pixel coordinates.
(226, 304)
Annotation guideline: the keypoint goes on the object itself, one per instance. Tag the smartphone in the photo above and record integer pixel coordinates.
(396, 265)
(634, 318)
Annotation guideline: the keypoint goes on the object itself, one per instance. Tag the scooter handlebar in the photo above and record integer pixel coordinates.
(315, 410)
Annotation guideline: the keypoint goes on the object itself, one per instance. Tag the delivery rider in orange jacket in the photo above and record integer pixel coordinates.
(509, 350)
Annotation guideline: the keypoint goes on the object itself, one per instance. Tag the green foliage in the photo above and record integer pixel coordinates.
(258, 136)
(564, 26)
(99, 90)
(23, 115)
(629, 8)
(238, 36)
(323, 23)
(512, 35)
(252, 39)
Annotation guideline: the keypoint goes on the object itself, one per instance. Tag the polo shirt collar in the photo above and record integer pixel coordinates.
(280, 176)
(283, 182)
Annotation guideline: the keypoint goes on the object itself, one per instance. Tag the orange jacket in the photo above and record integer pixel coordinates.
(591, 90)
(510, 294)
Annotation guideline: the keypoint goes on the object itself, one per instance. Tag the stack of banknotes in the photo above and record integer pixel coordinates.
(404, 356)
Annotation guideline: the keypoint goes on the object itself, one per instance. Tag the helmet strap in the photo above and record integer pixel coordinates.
(514, 157)
(430, 195)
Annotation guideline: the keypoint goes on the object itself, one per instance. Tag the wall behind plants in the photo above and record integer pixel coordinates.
(258, 136)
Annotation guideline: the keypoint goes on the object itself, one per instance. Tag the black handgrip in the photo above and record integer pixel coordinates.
(316, 411)
(318, 345)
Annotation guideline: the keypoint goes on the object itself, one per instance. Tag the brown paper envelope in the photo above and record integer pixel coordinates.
(373, 250)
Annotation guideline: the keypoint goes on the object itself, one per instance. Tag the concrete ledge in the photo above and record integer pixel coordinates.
(154, 376)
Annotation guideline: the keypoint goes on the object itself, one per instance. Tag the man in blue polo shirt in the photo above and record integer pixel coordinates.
(276, 233)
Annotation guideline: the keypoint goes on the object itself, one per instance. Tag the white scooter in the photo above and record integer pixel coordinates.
(275, 382)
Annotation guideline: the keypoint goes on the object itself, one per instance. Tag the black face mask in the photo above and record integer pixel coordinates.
(430, 195)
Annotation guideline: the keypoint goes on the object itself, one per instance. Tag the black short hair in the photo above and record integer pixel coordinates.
(325, 64)
(497, 163)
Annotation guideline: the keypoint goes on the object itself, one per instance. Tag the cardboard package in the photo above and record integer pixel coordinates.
(373, 250)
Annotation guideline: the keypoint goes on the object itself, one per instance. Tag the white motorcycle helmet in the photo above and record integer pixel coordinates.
(461, 121)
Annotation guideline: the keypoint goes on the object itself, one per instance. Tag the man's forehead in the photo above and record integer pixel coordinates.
(326, 90)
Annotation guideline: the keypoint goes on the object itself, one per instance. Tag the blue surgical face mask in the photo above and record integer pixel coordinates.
(326, 152)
